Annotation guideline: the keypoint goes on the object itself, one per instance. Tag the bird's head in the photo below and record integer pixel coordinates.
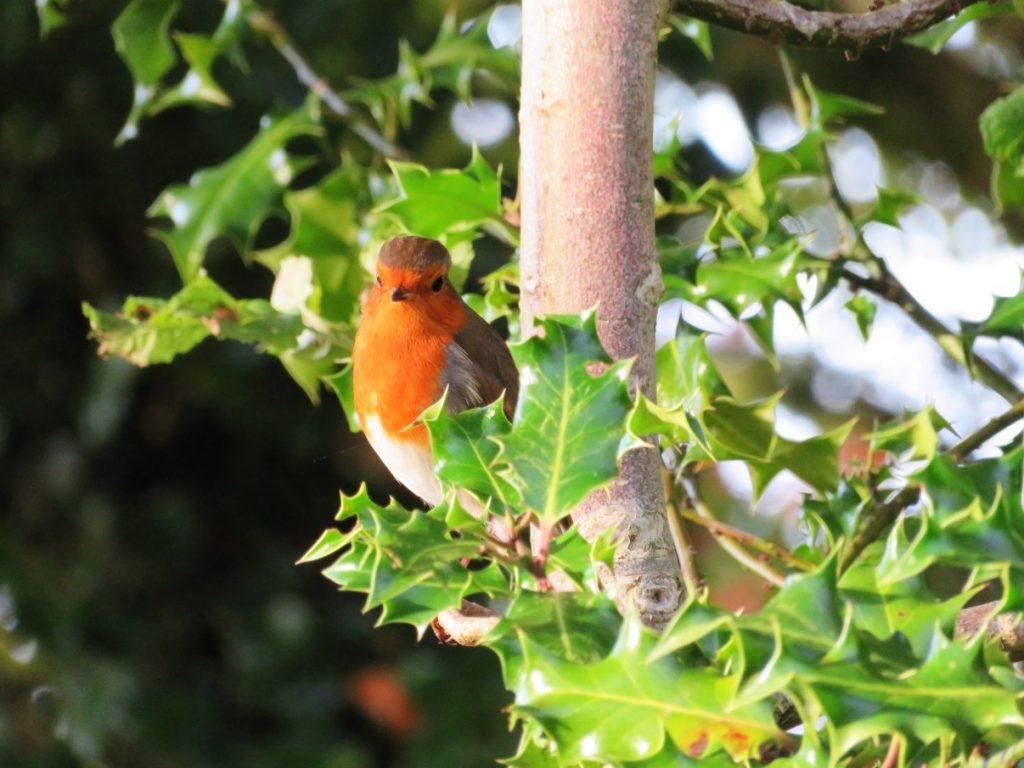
(413, 270)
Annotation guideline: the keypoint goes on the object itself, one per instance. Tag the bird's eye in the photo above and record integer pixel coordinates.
(438, 285)
(378, 279)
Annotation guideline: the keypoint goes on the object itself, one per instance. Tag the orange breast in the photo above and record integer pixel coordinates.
(398, 358)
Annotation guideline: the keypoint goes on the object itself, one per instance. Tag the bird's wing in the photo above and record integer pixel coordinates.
(479, 367)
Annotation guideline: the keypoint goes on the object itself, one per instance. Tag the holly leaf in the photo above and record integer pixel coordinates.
(466, 446)
(826, 106)
(569, 422)
(151, 330)
(915, 436)
(934, 38)
(440, 203)
(233, 198)
(975, 503)
(622, 707)
(408, 563)
(141, 38)
(52, 15)
(863, 310)
(1007, 316)
(739, 281)
(322, 249)
(1002, 127)
(696, 31)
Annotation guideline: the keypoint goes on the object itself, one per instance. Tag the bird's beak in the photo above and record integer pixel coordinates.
(400, 294)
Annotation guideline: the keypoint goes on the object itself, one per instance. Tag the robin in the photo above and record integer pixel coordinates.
(416, 339)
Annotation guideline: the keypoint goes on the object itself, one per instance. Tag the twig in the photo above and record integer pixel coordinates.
(467, 625)
(891, 289)
(750, 540)
(1007, 628)
(963, 449)
(730, 545)
(692, 578)
(782, 22)
(892, 757)
(875, 522)
(266, 25)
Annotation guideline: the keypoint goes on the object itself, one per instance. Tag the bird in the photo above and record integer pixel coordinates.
(416, 341)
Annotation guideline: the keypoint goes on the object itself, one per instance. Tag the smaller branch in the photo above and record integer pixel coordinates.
(1007, 628)
(963, 449)
(764, 546)
(730, 545)
(891, 289)
(875, 522)
(892, 757)
(467, 625)
(265, 24)
(692, 578)
(782, 22)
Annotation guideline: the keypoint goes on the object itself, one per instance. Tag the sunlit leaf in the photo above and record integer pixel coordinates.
(934, 38)
(232, 199)
(569, 422)
(150, 330)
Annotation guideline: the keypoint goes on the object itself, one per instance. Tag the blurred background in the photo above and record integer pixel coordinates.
(150, 611)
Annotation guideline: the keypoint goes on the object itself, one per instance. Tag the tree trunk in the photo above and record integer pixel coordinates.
(587, 192)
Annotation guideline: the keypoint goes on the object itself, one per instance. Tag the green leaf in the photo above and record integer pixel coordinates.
(1007, 184)
(322, 250)
(747, 432)
(150, 330)
(52, 15)
(934, 38)
(696, 31)
(407, 563)
(1002, 127)
(440, 203)
(141, 37)
(916, 435)
(687, 377)
(233, 198)
(863, 310)
(890, 204)
(622, 707)
(739, 281)
(466, 447)
(1007, 315)
(575, 626)
(677, 424)
(903, 607)
(974, 520)
(826, 107)
(568, 422)
(197, 85)
(458, 53)
(330, 541)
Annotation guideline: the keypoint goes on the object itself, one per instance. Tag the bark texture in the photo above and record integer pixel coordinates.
(783, 22)
(587, 193)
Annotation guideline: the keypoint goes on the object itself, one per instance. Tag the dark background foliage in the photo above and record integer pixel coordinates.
(149, 519)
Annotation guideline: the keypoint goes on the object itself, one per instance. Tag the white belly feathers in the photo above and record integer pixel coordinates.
(411, 464)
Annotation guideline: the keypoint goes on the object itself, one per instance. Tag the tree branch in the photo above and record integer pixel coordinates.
(266, 25)
(1007, 628)
(963, 449)
(782, 22)
(728, 542)
(877, 521)
(891, 289)
(467, 625)
(769, 548)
